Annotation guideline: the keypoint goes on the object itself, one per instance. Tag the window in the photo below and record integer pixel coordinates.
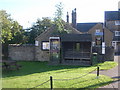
(97, 30)
(45, 45)
(117, 22)
(98, 41)
(117, 33)
(114, 44)
(77, 47)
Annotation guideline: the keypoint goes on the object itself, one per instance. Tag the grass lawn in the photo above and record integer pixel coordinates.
(34, 73)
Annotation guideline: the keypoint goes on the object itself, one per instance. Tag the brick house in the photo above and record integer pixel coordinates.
(95, 29)
(112, 22)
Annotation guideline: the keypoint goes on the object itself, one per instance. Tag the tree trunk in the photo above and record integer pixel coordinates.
(5, 51)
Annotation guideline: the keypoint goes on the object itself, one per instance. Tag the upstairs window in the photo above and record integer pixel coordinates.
(117, 22)
(117, 33)
(97, 30)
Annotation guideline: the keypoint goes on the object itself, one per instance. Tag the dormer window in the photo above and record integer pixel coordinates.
(117, 33)
(117, 22)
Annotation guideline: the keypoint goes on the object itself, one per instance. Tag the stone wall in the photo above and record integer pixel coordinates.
(22, 52)
(41, 55)
(109, 56)
(109, 53)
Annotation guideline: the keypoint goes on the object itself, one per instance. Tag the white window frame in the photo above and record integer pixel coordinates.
(97, 30)
(117, 33)
(117, 22)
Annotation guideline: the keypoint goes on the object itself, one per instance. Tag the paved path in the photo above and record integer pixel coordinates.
(113, 73)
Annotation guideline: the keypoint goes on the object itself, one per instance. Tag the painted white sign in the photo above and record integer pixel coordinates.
(103, 47)
(45, 46)
(36, 43)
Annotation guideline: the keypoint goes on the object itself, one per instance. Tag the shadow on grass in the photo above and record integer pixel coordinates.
(94, 86)
(35, 67)
(99, 85)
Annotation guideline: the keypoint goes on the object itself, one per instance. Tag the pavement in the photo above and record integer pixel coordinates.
(113, 73)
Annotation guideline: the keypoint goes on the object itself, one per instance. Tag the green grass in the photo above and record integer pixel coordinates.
(107, 65)
(34, 73)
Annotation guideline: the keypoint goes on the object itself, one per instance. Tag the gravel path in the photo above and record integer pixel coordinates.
(113, 73)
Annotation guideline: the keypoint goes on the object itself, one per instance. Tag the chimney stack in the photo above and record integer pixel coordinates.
(67, 17)
(119, 6)
(74, 18)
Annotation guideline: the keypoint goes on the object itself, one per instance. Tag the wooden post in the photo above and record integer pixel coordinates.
(51, 83)
(97, 72)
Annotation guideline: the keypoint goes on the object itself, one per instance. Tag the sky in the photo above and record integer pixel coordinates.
(26, 12)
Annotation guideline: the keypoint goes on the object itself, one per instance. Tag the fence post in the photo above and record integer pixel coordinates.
(97, 72)
(51, 83)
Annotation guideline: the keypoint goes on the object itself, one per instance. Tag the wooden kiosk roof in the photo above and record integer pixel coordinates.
(76, 38)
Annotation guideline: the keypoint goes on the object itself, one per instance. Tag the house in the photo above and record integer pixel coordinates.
(95, 29)
(112, 22)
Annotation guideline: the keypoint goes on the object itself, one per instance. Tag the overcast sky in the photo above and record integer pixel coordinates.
(26, 12)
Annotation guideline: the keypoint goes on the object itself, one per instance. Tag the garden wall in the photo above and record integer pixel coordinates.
(22, 52)
(109, 53)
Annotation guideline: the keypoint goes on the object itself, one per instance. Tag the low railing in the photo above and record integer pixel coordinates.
(51, 79)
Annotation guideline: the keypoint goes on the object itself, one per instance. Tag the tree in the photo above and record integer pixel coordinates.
(59, 23)
(6, 24)
(58, 17)
(12, 32)
(18, 36)
(39, 27)
(6, 34)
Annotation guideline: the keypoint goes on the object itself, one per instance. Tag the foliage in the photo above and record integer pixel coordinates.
(17, 34)
(12, 32)
(39, 72)
(39, 27)
(43, 24)
(59, 23)
(6, 23)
